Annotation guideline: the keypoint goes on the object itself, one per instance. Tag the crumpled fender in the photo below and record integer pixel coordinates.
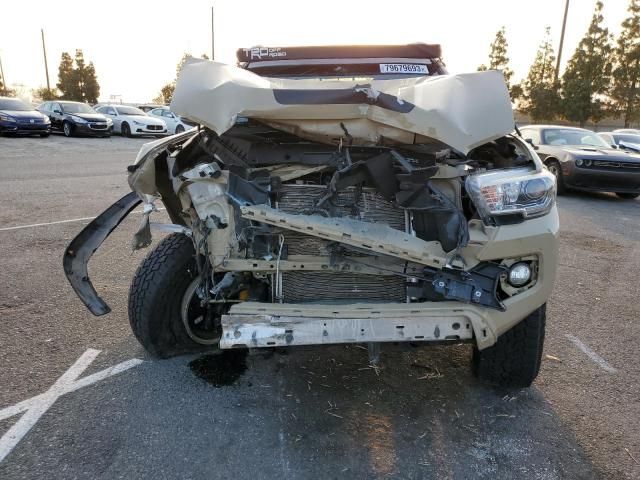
(82, 247)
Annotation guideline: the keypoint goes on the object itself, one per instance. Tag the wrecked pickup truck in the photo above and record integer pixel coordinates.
(336, 195)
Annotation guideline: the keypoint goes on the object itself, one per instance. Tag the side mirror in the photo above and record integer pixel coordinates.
(529, 141)
(59, 112)
(613, 145)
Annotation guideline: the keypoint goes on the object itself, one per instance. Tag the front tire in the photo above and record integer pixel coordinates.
(556, 170)
(627, 196)
(514, 361)
(125, 130)
(179, 129)
(161, 294)
(67, 129)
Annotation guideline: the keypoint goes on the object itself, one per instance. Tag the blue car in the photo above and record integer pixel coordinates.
(19, 118)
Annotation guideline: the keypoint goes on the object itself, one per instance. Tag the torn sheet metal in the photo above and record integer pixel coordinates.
(462, 111)
(373, 237)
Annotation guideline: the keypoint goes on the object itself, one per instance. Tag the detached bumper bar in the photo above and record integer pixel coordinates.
(77, 255)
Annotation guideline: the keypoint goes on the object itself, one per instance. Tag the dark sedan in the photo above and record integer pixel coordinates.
(625, 141)
(16, 117)
(76, 118)
(582, 160)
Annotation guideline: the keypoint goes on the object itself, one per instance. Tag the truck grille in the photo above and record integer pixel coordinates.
(320, 286)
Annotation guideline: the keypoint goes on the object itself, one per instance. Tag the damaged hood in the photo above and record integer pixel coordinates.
(461, 111)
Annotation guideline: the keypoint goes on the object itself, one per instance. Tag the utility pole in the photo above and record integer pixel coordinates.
(4, 83)
(564, 25)
(212, 37)
(46, 67)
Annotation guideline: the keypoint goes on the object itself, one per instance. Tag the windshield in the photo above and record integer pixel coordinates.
(130, 111)
(14, 104)
(627, 138)
(558, 136)
(76, 108)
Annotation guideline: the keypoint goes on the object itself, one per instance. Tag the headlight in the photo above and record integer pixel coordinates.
(518, 192)
(45, 120)
(79, 119)
(109, 121)
(135, 122)
(6, 118)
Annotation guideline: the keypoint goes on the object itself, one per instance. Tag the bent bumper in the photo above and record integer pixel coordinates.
(82, 247)
(251, 324)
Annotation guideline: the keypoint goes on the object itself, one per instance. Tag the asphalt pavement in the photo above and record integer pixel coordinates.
(66, 413)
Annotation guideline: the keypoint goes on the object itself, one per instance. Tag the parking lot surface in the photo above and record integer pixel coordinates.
(302, 413)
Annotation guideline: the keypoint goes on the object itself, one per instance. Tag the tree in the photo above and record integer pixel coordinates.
(77, 80)
(625, 91)
(540, 97)
(166, 92)
(586, 80)
(44, 94)
(498, 60)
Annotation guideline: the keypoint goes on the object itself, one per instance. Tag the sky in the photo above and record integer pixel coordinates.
(136, 44)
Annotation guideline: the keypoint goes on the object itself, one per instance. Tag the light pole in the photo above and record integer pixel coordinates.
(46, 67)
(212, 36)
(564, 25)
(4, 83)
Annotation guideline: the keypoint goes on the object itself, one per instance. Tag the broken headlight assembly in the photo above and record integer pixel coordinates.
(511, 196)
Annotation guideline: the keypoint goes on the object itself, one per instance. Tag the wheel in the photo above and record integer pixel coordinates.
(165, 308)
(67, 129)
(514, 361)
(179, 129)
(628, 196)
(554, 168)
(44, 135)
(125, 130)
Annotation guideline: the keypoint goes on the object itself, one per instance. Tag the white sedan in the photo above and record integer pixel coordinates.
(131, 121)
(175, 123)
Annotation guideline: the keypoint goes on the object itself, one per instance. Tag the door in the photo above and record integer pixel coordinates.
(56, 116)
(113, 115)
(170, 119)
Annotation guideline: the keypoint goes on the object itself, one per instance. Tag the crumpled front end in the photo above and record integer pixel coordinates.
(332, 212)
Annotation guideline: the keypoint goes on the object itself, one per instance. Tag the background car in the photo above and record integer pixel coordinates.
(76, 118)
(17, 116)
(131, 121)
(582, 160)
(175, 123)
(625, 141)
(633, 131)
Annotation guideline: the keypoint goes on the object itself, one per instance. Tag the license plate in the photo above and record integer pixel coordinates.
(403, 68)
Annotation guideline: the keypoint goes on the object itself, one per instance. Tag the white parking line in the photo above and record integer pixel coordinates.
(597, 359)
(36, 406)
(83, 219)
(47, 223)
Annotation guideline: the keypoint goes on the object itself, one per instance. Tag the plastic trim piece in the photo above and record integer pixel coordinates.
(77, 255)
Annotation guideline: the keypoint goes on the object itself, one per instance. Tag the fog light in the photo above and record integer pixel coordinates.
(519, 274)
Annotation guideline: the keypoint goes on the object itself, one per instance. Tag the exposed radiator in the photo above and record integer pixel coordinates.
(370, 206)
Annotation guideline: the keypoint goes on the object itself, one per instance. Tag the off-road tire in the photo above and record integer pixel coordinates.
(514, 361)
(555, 168)
(156, 294)
(627, 196)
